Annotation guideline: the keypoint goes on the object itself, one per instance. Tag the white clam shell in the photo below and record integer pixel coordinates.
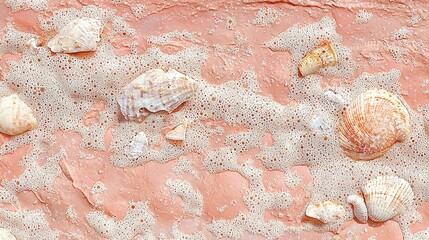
(6, 235)
(15, 116)
(321, 56)
(153, 91)
(138, 146)
(79, 35)
(359, 207)
(372, 123)
(386, 197)
(178, 133)
(326, 212)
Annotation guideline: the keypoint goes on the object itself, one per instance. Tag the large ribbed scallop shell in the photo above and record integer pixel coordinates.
(386, 197)
(153, 91)
(372, 123)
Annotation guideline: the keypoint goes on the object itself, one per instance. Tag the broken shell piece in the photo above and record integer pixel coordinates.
(33, 44)
(359, 207)
(6, 235)
(15, 116)
(80, 35)
(372, 123)
(153, 91)
(326, 212)
(334, 97)
(138, 146)
(386, 197)
(321, 56)
(178, 133)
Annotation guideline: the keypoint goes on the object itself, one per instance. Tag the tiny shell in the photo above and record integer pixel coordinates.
(6, 235)
(16, 117)
(359, 207)
(138, 146)
(386, 197)
(334, 97)
(153, 91)
(322, 56)
(372, 123)
(178, 133)
(80, 35)
(326, 212)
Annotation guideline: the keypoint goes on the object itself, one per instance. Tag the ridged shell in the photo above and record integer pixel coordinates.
(325, 212)
(321, 56)
(359, 207)
(138, 146)
(15, 116)
(372, 123)
(79, 35)
(386, 197)
(6, 235)
(178, 133)
(153, 91)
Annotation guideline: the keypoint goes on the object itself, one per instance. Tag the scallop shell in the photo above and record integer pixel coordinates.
(79, 35)
(372, 123)
(321, 56)
(153, 91)
(359, 207)
(326, 212)
(178, 133)
(386, 197)
(15, 116)
(6, 235)
(138, 146)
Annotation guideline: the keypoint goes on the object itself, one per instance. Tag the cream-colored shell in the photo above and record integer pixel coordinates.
(326, 212)
(138, 146)
(359, 207)
(178, 133)
(79, 35)
(320, 57)
(153, 91)
(6, 235)
(15, 116)
(386, 197)
(372, 123)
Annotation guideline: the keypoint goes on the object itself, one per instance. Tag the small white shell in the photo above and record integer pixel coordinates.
(79, 35)
(6, 235)
(178, 133)
(326, 212)
(386, 197)
(138, 146)
(153, 91)
(334, 97)
(15, 116)
(321, 56)
(359, 207)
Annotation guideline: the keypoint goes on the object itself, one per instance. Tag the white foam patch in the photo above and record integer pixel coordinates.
(22, 5)
(98, 188)
(178, 235)
(184, 165)
(138, 220)
(71, 215)
(192, 200)
(363, 16)
(266, 17)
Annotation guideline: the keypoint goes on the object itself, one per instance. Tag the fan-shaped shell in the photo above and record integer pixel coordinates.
(15, 116)
(372, 123)
(79, 35)
(321, 56)
(153, 91)
(386, 197)
(325, 212)
(359, 207)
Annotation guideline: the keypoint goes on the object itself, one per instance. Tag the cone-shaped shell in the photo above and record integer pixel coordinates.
(178, 133)
(325, 212)
(386, 197)
(321, 56)
(153, 91)
(15, 116)
(359, 207)
(79, 35)
(372, 123)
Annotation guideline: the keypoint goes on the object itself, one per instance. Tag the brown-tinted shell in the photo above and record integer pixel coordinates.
(321, 56)
(372, 123)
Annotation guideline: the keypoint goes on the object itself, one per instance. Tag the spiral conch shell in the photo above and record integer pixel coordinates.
(386, 197)
(372, 123)
(15, 116)
(325, 212)
(359, 207)
(153, 91)
(79, 35)
(322, 56)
